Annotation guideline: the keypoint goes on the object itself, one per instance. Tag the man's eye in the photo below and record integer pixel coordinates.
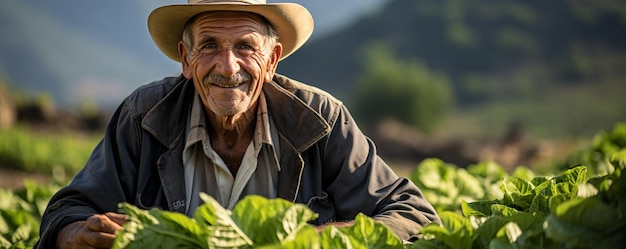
(246, 47)
(209, 46)
(246, 50)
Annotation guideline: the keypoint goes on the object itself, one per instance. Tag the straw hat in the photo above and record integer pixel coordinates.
(293, 22)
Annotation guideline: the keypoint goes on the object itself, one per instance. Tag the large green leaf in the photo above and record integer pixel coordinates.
(223, 230)
(364, 234)
(574, 176)
(434, 174)
(587, 212)
(275, 221)
(469, 186)
(438, 182)
(587, 222)
(367, 233)
(186, 230)
(332, 237)
(518, 193)
(4, 243)
(491, 174)
(156, 228)
(477, 208)
(490, 228)
(456, 231)
(503, 210)
(307, 239)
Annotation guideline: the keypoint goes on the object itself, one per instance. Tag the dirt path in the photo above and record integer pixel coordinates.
(14, 179)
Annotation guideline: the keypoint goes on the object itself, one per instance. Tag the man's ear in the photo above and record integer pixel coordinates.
(272, 64)
(183, 54)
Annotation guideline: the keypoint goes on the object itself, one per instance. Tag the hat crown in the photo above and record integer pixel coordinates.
(292, 22)
(228, 1)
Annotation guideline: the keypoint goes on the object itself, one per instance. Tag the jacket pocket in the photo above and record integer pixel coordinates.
(149, 197)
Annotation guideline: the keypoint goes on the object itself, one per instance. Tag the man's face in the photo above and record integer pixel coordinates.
(230, 60)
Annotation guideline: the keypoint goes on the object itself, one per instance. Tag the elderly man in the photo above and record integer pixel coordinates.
(230, 126)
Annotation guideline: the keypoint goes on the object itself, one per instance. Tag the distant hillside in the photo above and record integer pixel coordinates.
(99, 51)
(40, 52)
(490, 49)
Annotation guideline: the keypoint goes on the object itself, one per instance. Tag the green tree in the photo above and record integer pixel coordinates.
(404, 90)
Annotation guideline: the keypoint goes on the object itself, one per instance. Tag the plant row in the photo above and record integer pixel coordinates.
(582, 205)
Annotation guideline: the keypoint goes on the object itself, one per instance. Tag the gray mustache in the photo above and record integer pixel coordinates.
(223, 80)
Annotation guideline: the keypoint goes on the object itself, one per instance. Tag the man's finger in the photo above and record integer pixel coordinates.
(101, 223)
(99, 239)
(119, 219)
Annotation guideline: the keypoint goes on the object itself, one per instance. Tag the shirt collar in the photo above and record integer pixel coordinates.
(265, 133)
(263, 127)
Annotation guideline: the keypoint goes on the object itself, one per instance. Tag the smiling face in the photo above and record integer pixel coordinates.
(230, 60)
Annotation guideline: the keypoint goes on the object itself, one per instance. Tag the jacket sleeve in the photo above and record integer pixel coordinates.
(105, 180)
(365, 183)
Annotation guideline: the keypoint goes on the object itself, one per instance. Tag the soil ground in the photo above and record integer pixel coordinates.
(14, 179)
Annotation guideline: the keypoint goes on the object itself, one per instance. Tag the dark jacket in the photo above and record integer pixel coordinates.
(326, 162)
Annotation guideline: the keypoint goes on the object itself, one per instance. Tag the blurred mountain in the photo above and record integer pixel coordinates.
(489, 49)
(101, 50)
(76, 50)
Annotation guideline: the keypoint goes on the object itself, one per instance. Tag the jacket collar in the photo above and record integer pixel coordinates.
(294, 119)
(167, 119)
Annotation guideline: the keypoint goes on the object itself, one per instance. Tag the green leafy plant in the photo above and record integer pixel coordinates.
(255, 222)
(599, 153)
(482, 206)
(20, 214)
(569, 210)
(23, 149)
(446, 185)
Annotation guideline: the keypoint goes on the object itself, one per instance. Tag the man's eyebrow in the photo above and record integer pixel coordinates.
(252, 39)
(248, 40)
(206, 39)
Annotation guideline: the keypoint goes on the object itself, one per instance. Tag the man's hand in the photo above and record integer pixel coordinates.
(98, 231)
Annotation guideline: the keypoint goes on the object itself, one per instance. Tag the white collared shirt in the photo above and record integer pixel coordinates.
(206, 172)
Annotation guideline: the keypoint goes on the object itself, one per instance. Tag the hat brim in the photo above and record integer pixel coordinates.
(292, 22)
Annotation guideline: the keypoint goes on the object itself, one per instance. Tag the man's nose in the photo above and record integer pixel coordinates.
(228, 63)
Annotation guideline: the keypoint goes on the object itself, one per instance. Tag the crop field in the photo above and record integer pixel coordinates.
(582, 204)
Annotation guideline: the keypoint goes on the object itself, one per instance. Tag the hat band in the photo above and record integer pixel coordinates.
(229, 2)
